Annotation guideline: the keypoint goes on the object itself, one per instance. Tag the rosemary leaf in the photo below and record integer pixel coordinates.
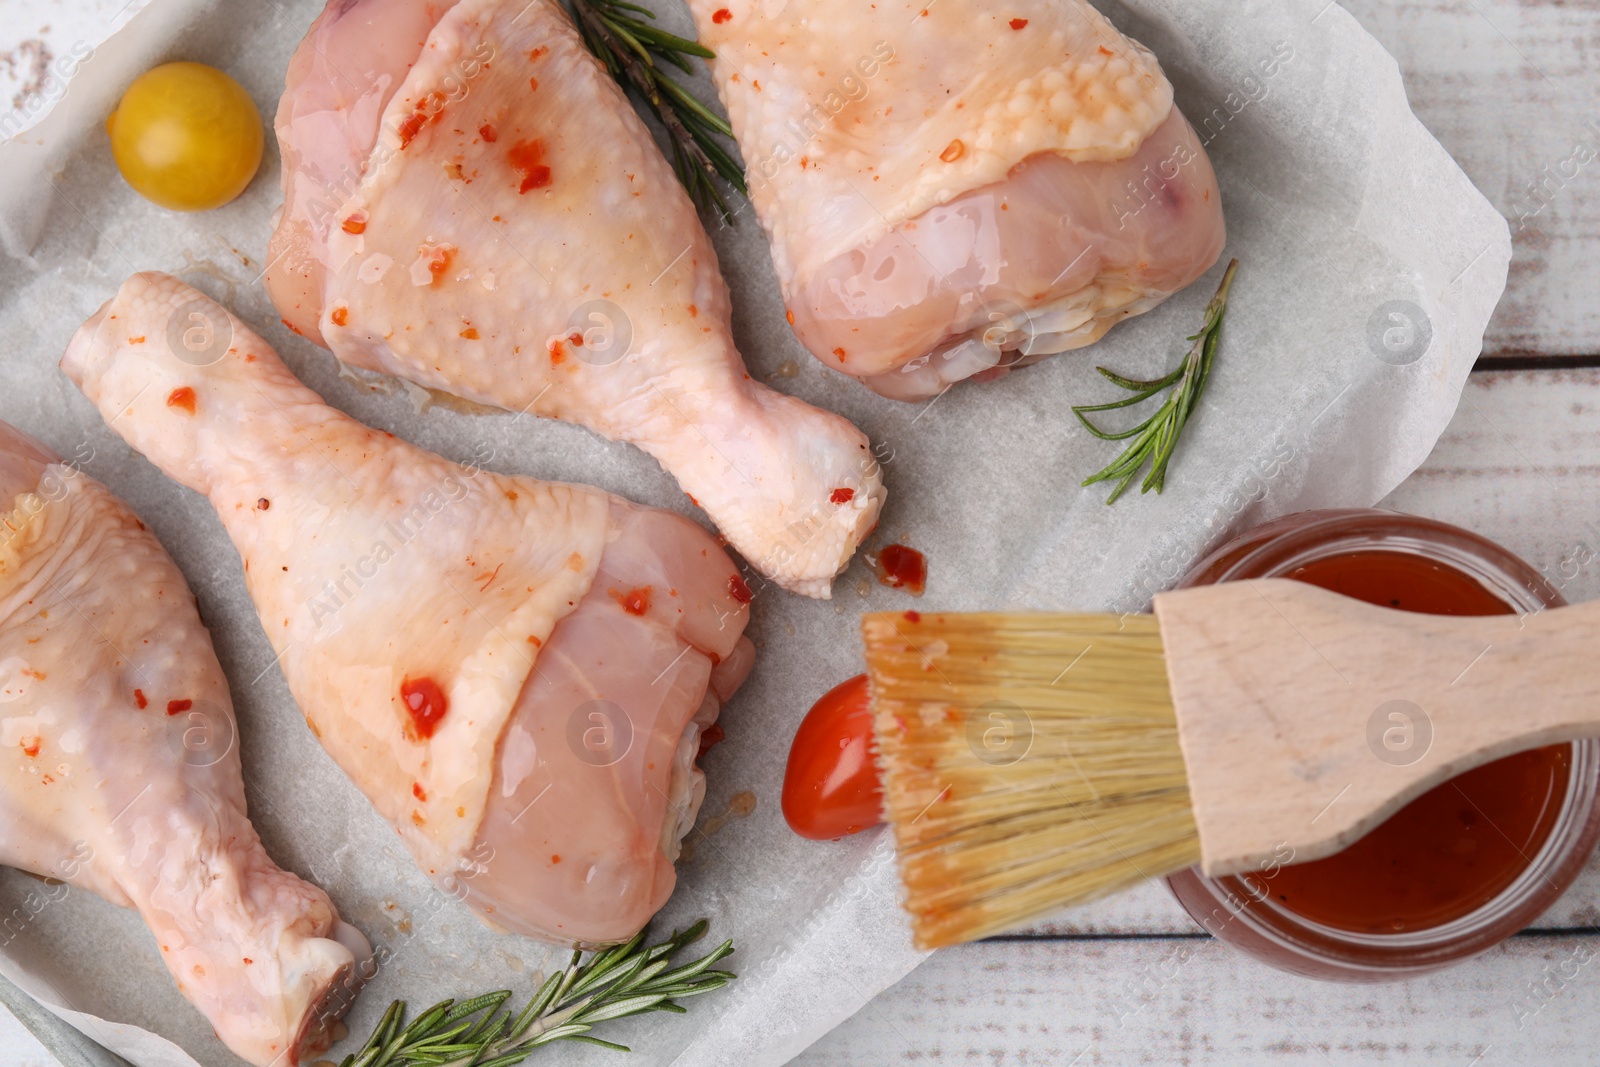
(627, 979)
(1156, 437)
(630, 48)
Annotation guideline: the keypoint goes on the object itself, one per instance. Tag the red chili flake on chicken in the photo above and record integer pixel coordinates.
(470, 334)
(1106, 51)
(181, 398)
(355, 224)
(419, 792)
(175, 707)
(840, 353)
(140, 700)
(739, 590)
(426, 702)
(533, 83)
(634, 601)
(428, 108)
(31, 746)
(913, 616)
(486, 131)
(340, 315)
(527, 158)
(438, 258)
(721, 15)
(1017, 24)
(842, 496)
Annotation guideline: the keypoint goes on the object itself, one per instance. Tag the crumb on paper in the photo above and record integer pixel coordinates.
(33, 56)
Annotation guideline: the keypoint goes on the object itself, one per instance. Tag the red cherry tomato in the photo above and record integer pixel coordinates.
(831, 787)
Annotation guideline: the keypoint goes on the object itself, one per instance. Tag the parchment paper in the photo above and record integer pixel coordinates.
(1369, 268)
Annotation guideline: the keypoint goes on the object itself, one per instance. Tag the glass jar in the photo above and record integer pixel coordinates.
(1240, 912)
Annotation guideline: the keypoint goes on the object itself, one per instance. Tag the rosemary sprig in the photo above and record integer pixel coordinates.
(630, 50)
(629, 979)
(1155, 438)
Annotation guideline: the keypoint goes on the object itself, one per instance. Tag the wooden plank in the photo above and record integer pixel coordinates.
(1509, 88)
(1196, 1002)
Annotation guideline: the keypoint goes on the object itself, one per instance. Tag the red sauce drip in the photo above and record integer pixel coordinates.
(739, 591)
(842, 496)
(486, 131)
(426, 702)
(140, 699)
(176, 706)
(1455, 848)
(634, 601)
(721, 15)
(903, 568)
(913, 616)
(527, 159)
(181, 398)
(709, 738)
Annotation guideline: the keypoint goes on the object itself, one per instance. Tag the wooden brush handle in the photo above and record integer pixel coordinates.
(1307, 718)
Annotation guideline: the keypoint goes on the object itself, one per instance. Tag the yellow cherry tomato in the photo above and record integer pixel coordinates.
(186, 136)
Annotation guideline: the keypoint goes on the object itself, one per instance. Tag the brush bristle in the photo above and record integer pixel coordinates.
(1029, 762)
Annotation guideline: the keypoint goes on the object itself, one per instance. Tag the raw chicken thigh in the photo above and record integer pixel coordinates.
(122, 777)
(957, 189)
(471, 203)
(515, 672)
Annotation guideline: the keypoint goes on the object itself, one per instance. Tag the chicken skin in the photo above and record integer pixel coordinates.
(516, 673)
(121, 775)
(954, 190)
(470, 203)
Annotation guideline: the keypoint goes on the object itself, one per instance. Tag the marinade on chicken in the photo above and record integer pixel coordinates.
(471, 203)
(516, 673)
(954, 190)
(121, 773)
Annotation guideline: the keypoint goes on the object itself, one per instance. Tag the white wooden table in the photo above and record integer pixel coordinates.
(1510, 87)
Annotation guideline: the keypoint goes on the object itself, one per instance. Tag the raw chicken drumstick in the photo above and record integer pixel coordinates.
(122, 777)
(957, 189)
(471, 203)
(516, 673)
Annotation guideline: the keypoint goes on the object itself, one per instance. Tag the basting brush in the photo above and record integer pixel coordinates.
(1036, 761)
